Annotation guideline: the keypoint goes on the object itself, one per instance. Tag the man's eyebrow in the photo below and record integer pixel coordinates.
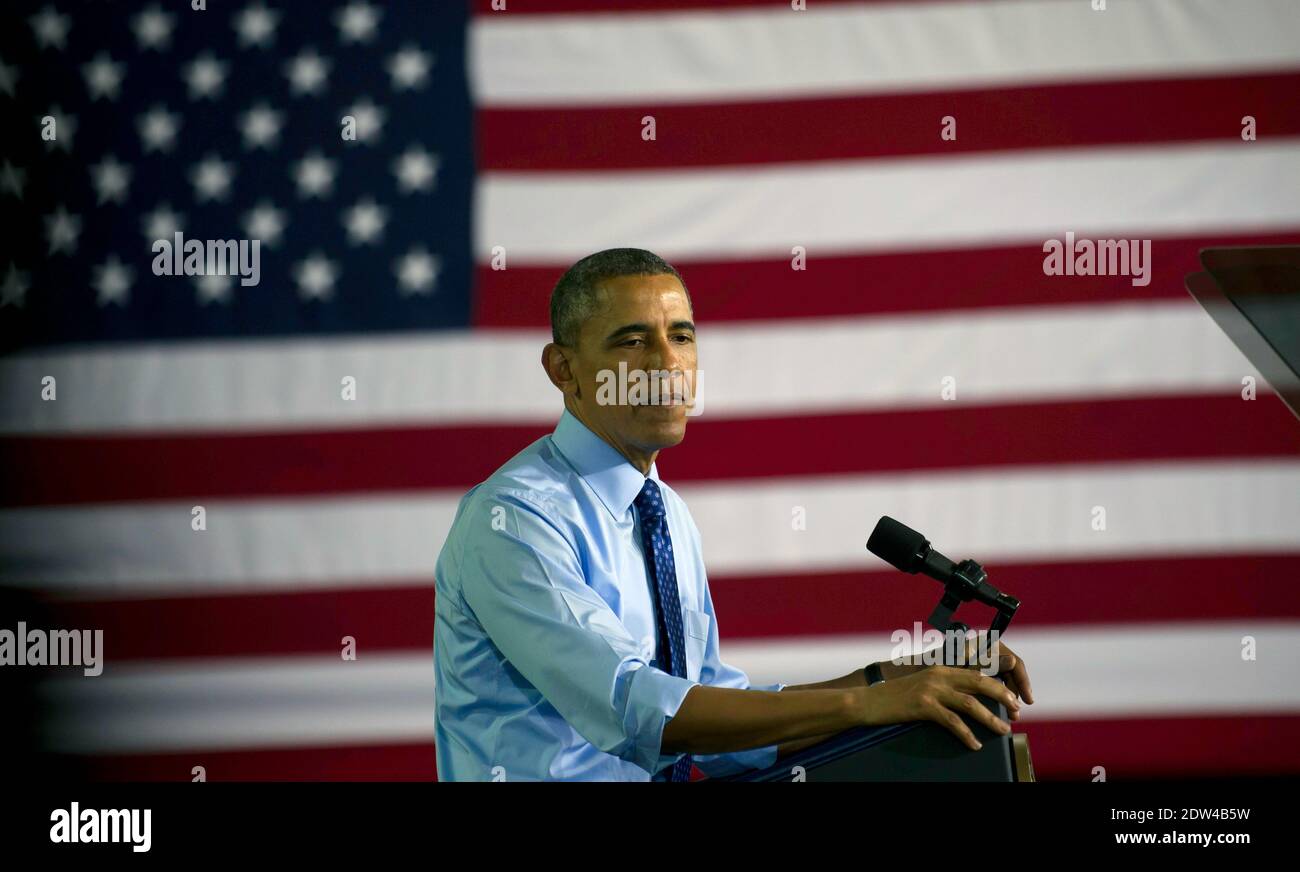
(645, 328)
(626, 329)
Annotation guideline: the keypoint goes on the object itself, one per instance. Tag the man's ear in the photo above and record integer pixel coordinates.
(559, 368)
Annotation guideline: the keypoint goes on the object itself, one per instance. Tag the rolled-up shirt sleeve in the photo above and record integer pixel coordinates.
(717, 673)
(522, 580)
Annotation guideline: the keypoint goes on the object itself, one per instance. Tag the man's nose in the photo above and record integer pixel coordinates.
(663, 353)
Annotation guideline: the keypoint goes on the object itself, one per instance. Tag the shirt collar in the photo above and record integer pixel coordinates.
(613, 478)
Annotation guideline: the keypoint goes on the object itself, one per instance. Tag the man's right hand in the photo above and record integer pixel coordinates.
(939, 694)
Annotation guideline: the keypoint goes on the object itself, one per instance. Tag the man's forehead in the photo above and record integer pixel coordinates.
(644, 295)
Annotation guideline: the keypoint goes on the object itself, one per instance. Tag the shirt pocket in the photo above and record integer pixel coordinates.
(697, 639)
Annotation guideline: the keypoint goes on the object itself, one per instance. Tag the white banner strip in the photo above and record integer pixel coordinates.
(752, 54)
(1002, 355)
(890, 205)
(1007, 514)
(1160, 670)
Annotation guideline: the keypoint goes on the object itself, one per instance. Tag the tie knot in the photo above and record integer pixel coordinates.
(650, 503)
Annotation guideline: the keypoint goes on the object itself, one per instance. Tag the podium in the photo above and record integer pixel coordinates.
(918, 751)
(1253, 295)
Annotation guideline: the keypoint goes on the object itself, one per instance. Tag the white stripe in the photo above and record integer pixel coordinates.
(884, 205)
(1091, 672)
(1007, 515)
(1163, 670)
(754, 369)
(1018, 514)
(249, 702)
(701, 56)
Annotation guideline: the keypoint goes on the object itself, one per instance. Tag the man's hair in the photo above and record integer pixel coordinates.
(574, 299)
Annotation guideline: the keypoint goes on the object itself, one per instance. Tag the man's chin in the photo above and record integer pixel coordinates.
(665, 433)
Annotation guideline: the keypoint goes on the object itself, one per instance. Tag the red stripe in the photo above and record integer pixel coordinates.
(303, 622)
(51, 470)
(872, 284)
(1168, 747)
(1253, 744)
(818, 604)
(1069, 115)
(174, 466)
(407, 762)
(1134, 591)
(1137, 429)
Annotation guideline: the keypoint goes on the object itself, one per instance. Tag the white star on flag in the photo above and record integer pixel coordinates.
(415, 170)
(153, 29)
(315, 176)
(162, 223)
(111, 179)
(112, 281)
(205, 76)
(409, 68)
(417, 272)
(103, 77)
(65, 127)
(213, 288)
(12, 179)
(265, 222)
(211, 178)
(261, 126)
(50, 28)
(8, 78)
(14, 290)
(62, 230)
(369, 119)
(365, 222)
(158, 129)
(357, 22)
(316, 276)
(256, 26)
(307, 72)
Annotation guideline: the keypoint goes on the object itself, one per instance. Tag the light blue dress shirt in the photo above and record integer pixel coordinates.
(545, 631)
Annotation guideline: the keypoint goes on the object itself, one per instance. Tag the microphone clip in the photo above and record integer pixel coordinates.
(967, 582)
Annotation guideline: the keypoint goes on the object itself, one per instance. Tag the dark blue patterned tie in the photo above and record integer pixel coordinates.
(663, 571)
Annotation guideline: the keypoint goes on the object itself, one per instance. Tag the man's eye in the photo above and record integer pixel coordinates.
(686, 337)
(630, 341)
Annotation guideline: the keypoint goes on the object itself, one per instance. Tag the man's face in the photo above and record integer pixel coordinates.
(645, 323)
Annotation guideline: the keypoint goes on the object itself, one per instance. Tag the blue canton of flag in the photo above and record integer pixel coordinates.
(336, 134)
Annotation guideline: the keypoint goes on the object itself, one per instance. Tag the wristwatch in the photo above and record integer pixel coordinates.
(873, 674)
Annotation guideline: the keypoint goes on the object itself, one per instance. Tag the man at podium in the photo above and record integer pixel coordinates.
(575, 636)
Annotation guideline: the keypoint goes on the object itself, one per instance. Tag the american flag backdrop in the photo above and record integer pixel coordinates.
(921, 365)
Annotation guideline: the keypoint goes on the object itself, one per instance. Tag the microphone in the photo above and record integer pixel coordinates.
(903, 548)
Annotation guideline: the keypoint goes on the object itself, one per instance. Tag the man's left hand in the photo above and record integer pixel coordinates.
(1010, 668)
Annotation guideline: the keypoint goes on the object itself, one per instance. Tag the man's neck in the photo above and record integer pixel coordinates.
(640, 459)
